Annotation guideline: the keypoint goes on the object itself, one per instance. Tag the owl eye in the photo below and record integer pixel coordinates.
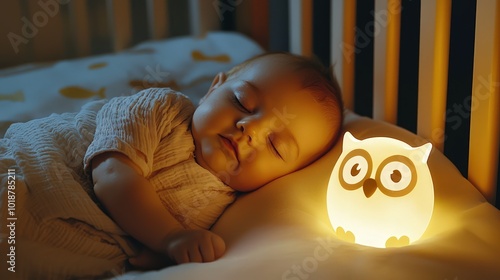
(355, 170)
(396, 176)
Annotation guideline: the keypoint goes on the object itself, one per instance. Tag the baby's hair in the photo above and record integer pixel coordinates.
(315, 77)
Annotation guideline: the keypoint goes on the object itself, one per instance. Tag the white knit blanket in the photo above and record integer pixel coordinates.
(52, 204)
(60, 229)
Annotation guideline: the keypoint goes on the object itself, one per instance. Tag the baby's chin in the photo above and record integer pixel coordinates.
(216, 164)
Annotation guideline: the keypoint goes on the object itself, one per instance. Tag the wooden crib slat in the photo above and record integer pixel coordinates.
(380, 60)
(157, 18)
(49, 40)
(194, 17)
(343, 31)
(485, 113)
(392, 61)
(433, 70)
(300, 24)
(14, 45)
(252, 18)
(386, 59)
(79, 27)
(336, 46)
(120, 23)
(260, 22)
(203, 16)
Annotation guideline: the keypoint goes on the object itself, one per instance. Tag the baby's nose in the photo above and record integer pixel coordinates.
(254, 131)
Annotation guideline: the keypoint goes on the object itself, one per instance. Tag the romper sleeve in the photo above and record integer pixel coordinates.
(134, 125)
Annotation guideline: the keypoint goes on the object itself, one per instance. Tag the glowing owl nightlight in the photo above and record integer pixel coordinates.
(380, 192)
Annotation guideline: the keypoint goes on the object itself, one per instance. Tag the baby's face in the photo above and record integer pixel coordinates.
(258, 126)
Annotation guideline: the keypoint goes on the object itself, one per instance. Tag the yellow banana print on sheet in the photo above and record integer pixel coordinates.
(199, 56)
(17, 96)
(97, 65)
(81, 93)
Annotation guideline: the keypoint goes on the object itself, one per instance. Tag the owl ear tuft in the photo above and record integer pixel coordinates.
(424, 151)
(349, 140)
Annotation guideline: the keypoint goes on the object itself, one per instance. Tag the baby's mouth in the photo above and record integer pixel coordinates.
(231, 147)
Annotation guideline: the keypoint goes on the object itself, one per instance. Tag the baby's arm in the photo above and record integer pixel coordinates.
(133, 204)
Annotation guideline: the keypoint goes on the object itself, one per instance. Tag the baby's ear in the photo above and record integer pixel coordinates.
(217, 82)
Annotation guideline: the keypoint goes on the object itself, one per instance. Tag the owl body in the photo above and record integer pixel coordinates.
(380, 192)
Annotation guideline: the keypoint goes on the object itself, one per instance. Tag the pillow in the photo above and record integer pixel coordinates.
(282, 231)
(186, 64)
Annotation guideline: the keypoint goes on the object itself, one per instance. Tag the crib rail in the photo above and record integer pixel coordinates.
(300, 24)
(433, 74)
(485, 116)
(158, 19)
(433, 70)
(343, 19)
(386, 60)
(48, 30)
(79, 22)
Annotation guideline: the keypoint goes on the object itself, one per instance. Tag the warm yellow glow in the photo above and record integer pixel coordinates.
(380, 192)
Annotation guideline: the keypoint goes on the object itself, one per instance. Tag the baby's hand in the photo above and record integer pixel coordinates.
(192, 245)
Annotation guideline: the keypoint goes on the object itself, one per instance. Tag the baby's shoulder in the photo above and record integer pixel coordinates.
(166, 96)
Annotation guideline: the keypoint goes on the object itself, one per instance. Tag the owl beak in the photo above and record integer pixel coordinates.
(369, 187)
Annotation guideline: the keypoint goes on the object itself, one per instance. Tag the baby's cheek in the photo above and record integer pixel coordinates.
(250, 155)
(262, 171)
(211, 154)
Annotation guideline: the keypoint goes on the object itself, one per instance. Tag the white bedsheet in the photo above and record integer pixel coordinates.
(186, 64)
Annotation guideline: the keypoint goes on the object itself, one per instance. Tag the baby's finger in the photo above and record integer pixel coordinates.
(194, 254)
(207, 251)
(219, 246)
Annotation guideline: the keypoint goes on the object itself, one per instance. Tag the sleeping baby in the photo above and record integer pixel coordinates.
(151, 173)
